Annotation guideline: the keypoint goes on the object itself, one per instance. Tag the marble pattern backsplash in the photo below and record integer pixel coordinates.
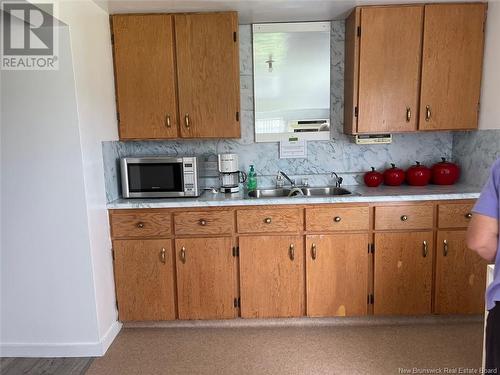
(475, 152)
(339, 154)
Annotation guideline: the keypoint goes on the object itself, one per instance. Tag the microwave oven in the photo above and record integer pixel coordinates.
(159, 177)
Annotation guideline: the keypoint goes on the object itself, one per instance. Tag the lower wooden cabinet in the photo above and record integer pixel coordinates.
(206, 278)
(144, 278)
(403, 273)
(460, 275)
(272, 276)
(337, 274)
(315, 261)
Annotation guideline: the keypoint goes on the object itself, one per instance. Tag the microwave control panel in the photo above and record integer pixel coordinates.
(190, 176)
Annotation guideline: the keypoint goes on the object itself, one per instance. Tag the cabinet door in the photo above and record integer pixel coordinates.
(403, 273)
(460, 276)
(206, 280)
(208, 75)
(272, 276)
(389, 68)
(337, 274)
(452, 62)
(145, 76)
(144, 279)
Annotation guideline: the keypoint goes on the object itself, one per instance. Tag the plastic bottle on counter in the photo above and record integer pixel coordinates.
(252, 179)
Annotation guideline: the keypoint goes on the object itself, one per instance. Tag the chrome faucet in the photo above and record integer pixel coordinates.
(338, 180)
(292, 182)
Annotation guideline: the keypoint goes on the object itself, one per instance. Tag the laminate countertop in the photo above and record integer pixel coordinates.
(359, 194)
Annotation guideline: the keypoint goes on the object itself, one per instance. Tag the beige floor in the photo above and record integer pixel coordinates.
(375, 350)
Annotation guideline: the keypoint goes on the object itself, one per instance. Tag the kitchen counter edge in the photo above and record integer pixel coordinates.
(360, 194)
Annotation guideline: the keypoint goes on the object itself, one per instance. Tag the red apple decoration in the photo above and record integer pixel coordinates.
(418, 175)
(394, 176)
(373, 178)
(445, 173)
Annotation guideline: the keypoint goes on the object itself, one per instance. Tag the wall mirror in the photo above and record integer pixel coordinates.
(291, 63)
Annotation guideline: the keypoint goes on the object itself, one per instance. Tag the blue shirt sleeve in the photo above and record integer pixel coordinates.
(488, 202)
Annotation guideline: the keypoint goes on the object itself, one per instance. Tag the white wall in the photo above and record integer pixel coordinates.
(93, 67)
(47, 297)
(489, 114)
(57, 282)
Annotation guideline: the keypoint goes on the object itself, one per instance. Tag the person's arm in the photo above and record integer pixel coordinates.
(482, 236)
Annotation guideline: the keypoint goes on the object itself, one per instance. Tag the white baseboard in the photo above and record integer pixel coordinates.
(79, 349)
(110, 336)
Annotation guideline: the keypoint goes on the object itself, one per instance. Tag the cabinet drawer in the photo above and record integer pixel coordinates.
(454, 215)
(140, 224)
(404, 217)
(270, 220)
(204, 222)
(337, 219)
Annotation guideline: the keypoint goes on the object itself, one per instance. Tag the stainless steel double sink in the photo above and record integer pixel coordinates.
(298, 192)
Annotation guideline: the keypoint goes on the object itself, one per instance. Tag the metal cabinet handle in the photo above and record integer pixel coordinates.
(202, 222)
(267, 220)
(428, 113)
(337, 219)
(408, 114)
(186, 120)
(183, 254)
(291, 251)
(140, 225)
(163, 256)
(425, 249)
(468, 215)
(168, 124)
(404, 218)
(445, 247)
(314, 253)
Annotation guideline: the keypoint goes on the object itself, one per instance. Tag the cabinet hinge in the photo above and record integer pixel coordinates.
(356, 111)
(236, 251)
(371, 299)
(113, 253)
(359, 31)
(118, 117)
(234, 36)
(112, 38)
(237, 116)
(116, 304)
(237, 303)
(371, 248)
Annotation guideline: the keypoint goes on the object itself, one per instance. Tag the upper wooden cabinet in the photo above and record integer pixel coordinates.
(389, 68)
(452, 66)
(145, 76)
(177, 75)
(208, 73)
(410, 68)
